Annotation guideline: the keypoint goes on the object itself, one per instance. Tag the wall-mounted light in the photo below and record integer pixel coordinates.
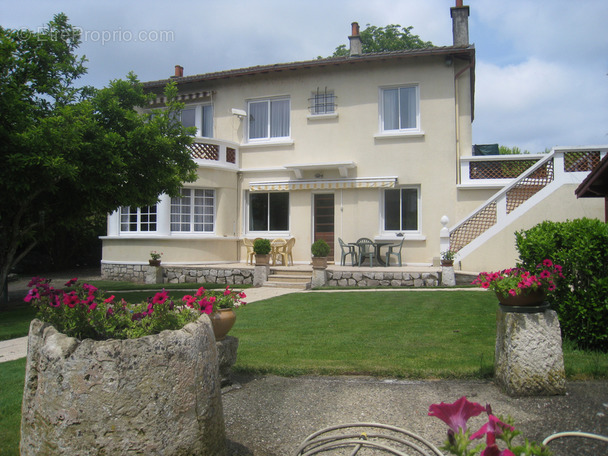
(238, 112)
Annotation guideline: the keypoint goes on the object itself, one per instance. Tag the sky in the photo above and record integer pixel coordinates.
(541, 65)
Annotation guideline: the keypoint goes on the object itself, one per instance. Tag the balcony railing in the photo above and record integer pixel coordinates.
(214, 152)
(560, 166)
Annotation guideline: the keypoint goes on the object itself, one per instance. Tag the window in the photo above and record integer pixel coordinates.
(401, 209)
(201, 117)
(194, 211)
(138, 220)
(399, 109)
(269, 119)
(269, 211)
(322, 102)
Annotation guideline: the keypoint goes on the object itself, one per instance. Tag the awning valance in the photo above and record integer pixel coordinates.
(321, 184)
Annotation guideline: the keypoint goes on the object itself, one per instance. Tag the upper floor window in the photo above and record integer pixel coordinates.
(269, 211)
(201, 117)
(401, 209)
(269, 119)
(193, 211)
(322, 102)
(399, 109)
(138, 219)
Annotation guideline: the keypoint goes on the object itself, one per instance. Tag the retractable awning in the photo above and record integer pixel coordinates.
(323, 184)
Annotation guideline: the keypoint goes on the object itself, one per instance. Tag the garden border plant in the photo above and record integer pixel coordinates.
(83, 311)
(581, 298)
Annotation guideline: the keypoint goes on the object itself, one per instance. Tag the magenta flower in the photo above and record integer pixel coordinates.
(200, 292)
(227, 291)
(456, 415)
(161, 297)
(242, 295)
(189, 300)
(109, 312)
(92, 307)
(71, 282)
(32, 294)
(71, 299)
(491, 429)
(89, 288)
(547, 263)
(205, 306)
(493, 450)
(109, 300)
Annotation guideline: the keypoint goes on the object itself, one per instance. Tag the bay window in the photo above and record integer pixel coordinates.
(138, 219)
(193, 211)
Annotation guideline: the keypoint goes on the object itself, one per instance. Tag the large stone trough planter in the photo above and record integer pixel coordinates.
(155, 395)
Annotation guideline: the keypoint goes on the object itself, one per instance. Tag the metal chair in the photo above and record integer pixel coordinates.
(378, 438)
(348, 249)
(394, 249)
(367, 249)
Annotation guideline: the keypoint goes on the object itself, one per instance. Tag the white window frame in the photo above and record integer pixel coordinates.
(268, 138)
(140, 216)
(381, 120)
(269, 232)
(199, 118)
(176, 202)
(418, 230)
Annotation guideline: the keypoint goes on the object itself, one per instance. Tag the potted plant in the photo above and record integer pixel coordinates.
(262, 248)
(219, 305)
(319, 250)
(154, 258)
(520, 287)
(447, 257)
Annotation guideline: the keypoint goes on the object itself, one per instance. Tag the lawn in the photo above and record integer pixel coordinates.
(409, 334)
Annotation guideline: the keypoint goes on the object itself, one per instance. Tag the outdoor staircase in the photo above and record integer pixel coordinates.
(285, 277)
(544, 176)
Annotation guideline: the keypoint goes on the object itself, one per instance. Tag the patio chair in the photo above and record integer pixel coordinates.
(367, 249)
(288, 249)
(395, 250)
(248, 243)
(347, 249)
(278, 251)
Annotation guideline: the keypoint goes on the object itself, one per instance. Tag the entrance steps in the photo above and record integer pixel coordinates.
(285, 277)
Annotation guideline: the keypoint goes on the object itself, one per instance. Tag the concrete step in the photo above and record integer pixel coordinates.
(289, 278)
(294, 285)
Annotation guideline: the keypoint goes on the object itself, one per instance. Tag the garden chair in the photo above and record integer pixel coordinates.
(348, 249)
(394, 250)
(278, 251)
(288, 249)
(248, 243)
(367, 249)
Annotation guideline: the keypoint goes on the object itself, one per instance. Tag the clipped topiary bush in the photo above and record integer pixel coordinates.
(581, 300)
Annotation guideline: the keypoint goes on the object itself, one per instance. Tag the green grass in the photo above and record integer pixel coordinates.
(416, 335)
(15, 322)
(12, 374)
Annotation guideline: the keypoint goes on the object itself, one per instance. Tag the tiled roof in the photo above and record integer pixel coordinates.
(466, 51)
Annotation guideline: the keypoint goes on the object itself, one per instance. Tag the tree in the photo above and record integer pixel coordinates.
(393, 37)
(68, 153)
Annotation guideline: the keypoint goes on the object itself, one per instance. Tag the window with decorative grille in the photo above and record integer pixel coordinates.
(322, 102)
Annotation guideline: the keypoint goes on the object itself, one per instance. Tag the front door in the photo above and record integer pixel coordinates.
(323, 224)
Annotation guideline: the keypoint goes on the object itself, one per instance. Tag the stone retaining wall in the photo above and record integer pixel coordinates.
(176, 274)
(382, 279)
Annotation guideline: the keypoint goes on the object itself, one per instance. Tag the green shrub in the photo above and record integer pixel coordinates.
(319, 248)
(581, 299)
(261, 246)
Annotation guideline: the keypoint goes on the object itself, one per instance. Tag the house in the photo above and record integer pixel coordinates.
(369, 145)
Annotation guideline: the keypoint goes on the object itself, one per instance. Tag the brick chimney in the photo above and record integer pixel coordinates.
(179, 71)
(355, 41)
(460, 24)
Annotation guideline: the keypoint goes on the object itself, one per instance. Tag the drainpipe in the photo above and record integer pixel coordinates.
(239, 215)
(456, 77)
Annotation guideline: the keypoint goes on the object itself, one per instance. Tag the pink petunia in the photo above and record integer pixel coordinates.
(242, 295)
(491, 429)
(456, 415)
(71, 282)
(92, 307)
(485, 285)
(547, 263)
(189, 300)
(71, 299)
(493, 450)
(160, 297)
(200, 291)
(109, 300)
(513, 292)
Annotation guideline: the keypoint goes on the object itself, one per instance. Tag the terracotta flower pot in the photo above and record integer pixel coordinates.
(222, 321)
(534, 298)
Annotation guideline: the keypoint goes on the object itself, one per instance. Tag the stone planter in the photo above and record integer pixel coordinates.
(155, 395)
(262, 259)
